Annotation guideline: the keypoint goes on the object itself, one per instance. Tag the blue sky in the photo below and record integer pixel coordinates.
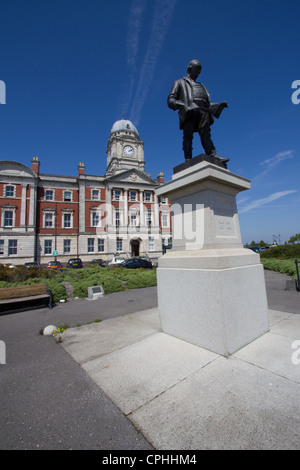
(73, 67)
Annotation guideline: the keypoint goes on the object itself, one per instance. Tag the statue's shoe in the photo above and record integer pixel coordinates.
(222, 159)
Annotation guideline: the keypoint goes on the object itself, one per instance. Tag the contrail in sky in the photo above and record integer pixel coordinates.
(162, 17)
(268, 165)
(132, 45)
(266, 200)
(273, 162)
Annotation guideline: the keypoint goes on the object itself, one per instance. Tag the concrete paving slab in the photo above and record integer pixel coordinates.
(138, 373)
(90, 341)
(275, 316)
(289, 327)
(272, 352)
(181, 396)
(228, 404)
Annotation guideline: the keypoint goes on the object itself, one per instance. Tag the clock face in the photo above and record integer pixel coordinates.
(128, 151)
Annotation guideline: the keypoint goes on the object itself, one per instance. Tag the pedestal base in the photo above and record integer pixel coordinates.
(211, 290)
(215, 299)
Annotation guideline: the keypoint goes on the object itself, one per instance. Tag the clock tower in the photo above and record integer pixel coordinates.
(125, 149)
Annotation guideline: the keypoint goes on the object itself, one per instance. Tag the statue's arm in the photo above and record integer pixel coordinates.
(174, 101)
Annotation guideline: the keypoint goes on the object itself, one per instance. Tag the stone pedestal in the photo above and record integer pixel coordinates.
(211, 290)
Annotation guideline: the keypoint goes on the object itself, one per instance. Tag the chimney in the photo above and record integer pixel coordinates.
(35, 164)
(161, 177)
(81, 168)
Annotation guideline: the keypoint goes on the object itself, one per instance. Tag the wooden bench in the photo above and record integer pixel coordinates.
(11, 295)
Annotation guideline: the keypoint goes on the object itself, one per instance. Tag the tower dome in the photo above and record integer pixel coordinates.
(124, 126)
(125, 149)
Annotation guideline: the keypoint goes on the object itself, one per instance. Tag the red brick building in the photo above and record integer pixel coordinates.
(87, 216)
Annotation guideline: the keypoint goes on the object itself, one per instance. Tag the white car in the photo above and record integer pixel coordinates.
(116, 260)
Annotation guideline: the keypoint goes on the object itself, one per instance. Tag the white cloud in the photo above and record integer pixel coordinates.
(266, 200)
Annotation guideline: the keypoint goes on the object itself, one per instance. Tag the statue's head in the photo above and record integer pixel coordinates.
(194, 68)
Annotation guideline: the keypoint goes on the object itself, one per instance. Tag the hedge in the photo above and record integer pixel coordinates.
(282, 252)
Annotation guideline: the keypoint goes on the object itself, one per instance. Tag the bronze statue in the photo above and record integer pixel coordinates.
(196, 112)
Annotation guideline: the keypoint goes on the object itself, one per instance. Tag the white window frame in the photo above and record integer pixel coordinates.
(91, 245)
(48, 247)
(12, 248)
(95, 194)
(132, 196)
(6, 189)
(101, 243)
(165, 220)
(95, 219)
(115, 196)
(64, 215)
(45, 215)
(2, 247)
(67, 246)
(151, 244)
(133, 218)
(148, 196)
(71, 195)
(50, 192)
(119, 245)
(117, 218)
(12, 218)
(148, 219)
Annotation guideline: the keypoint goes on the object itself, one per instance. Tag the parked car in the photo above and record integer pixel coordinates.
(116, 260)
(74, 263)
(54, 265)
(32, 264)
(100, 262)
(254, 248)
(135, 263)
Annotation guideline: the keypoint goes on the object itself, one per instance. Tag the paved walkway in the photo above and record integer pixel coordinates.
(123, 384)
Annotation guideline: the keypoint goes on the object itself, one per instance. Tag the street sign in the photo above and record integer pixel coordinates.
(55, 253)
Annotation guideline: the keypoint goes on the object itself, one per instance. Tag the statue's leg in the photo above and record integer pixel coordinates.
(187, 146)
(205, 137)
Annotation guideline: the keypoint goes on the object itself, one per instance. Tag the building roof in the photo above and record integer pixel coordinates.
(124, 125)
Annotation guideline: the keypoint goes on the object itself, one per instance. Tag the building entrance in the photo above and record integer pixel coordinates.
(135, 247)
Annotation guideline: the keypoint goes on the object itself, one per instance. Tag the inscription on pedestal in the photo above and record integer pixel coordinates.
(224, 227)
(224, 212)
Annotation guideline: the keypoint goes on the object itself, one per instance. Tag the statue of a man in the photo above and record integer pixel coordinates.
(196, 112)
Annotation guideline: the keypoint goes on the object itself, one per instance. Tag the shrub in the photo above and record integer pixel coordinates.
(112, 280)
(282, 252)
(137, 278)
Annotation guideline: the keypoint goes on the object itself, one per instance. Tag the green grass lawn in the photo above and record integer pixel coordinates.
(284, 266)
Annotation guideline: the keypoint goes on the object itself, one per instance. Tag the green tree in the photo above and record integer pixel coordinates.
(295, 238)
